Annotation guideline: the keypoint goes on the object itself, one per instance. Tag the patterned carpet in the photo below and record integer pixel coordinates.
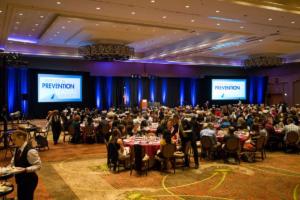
(79, 172)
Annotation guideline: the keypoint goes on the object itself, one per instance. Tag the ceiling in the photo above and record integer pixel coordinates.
(214, 32)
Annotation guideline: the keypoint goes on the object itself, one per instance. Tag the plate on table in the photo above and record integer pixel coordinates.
(4, 188)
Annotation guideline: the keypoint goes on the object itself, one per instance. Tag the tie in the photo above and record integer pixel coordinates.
(18, 154)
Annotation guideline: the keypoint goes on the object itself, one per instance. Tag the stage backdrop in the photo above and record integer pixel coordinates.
(106, 92)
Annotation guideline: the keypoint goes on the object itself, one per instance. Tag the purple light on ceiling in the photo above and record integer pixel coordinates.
(15, 39)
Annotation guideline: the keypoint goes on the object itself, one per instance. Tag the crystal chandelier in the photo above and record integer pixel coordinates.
(106, 52)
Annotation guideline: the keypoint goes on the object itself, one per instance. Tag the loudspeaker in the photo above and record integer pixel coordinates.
(24, 96)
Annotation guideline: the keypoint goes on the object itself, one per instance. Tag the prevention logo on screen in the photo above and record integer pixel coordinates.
(59, 88)
(228, 89)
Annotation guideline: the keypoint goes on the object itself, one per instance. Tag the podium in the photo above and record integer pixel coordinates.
(144, 104)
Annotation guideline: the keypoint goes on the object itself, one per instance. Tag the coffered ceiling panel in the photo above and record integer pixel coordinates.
(165, 30)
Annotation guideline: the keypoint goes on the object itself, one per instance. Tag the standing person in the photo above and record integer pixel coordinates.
(55, 126)
(27, 160)
(4, 118)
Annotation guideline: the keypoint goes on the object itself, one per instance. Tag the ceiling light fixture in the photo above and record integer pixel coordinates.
(152, 1)
(293, 22)
(241, 27)
(33, 29)
(17, 22)
(217, 11)
(98, 8)
(270, 19)
(42, 17)
(97, 24)
(36, 24)
(58, 32)
(133, 13)
(187, 6)
(1, 11)
(218, 24)
(260, 40)
(164, 17)
(63, 27)
(192, 20)
(58, 2)
(69, 21)
(21, 14)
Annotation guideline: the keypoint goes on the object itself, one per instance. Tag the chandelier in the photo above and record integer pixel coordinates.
(106, 52)
(263, 61)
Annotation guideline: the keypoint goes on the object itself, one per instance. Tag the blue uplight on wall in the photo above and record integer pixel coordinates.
(98, 93)
(260, 89)
(251, 90)
(152, 90)
(164, 89)
(11, 86)
(109, 87)
(181, 92)
(140, 90)
(24, 90)
(127, 92)
(193, 91)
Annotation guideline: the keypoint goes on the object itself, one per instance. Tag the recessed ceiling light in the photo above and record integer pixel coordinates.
(17, 22)
(270, 19)
(1, 11)
(41, 16)
(260, 40)
(36, 24)
(97, 24)
(187, 6)
(58, 2)
(133, 13)
(98, 8)
(21, 14)
(152, 1)
(293, 22)
(58, 32)
(16, 28)
(192, 20)
(69, 21)
(164, 17)
(218, 24)
(217, 11)
(242, 27)
(63, 27)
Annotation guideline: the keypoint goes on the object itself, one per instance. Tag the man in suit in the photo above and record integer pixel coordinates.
(27, 161)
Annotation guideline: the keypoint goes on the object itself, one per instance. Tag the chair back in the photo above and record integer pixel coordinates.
(89, 130)
(292, 137)
(260, 143)
(139, 154)
(233, 145)
(112, 153)
(206, 142)
(168, 150)
(71, 130)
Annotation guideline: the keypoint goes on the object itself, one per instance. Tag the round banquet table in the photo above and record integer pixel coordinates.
(150, 147)
(241, 136)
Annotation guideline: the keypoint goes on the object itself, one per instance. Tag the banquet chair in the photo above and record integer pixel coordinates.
(138, 160)
(69, 132)
(113, 158)
(89, 133)
(233, 147)
(180, 155)
(258, 147)
(168, 151)
(292, 138)
(208, 149)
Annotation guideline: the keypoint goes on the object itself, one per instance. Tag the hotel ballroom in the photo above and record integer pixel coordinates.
(150, 99)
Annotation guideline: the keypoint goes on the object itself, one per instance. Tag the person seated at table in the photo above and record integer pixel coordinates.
(166, 139)
(116, 138)
(122, 130)
(136, 128)
(228, 136)
(210, 132)
(225, 123)
(76, 127)
(27, 160)
(291, 127)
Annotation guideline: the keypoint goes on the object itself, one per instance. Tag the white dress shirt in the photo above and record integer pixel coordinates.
(32, 157)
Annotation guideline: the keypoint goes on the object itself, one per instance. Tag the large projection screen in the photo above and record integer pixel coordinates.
(228, 89)
(59, 88)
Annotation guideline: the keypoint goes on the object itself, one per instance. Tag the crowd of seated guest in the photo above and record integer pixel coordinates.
(272, 122)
